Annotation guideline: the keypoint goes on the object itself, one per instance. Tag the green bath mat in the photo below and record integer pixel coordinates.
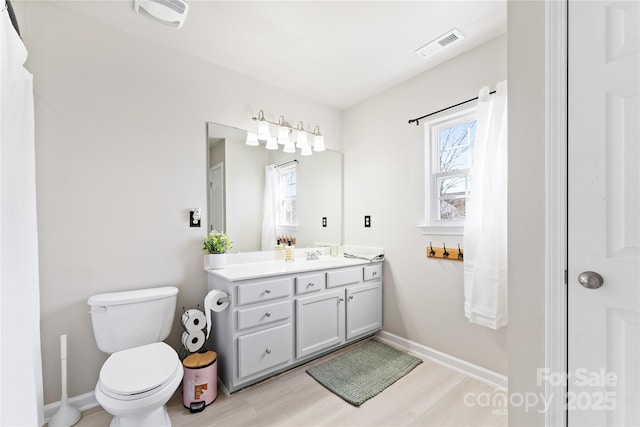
(361, 373)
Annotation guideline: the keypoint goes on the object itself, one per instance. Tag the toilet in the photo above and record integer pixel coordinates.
(142, 372)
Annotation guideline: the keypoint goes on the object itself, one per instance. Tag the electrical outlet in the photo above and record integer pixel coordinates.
(367, 221)
(324, 221)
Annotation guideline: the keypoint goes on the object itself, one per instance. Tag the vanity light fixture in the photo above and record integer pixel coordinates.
(284, 138)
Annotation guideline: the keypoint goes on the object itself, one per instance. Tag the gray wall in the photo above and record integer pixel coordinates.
(384, 177)
(120, 159)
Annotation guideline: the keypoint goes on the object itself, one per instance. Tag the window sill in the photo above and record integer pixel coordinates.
(442, 230)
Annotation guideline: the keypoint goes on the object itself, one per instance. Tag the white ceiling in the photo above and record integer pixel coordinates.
(335, 52)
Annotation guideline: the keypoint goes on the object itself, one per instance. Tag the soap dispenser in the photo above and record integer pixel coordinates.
(289, 252)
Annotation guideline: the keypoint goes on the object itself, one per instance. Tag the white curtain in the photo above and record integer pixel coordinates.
(21, 398)
(269, 209)
(485, 227)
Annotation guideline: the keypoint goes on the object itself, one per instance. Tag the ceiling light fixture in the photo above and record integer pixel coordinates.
(285, 133)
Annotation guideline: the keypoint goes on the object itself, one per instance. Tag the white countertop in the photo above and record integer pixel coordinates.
(253, 270)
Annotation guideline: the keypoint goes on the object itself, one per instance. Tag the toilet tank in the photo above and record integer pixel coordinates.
(128, 319)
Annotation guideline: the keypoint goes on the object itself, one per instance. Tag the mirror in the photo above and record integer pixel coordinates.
(235, 191)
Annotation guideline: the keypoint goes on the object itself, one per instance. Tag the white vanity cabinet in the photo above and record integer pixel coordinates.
(276, 322)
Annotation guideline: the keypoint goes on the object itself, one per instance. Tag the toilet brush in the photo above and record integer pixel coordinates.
(66, 415)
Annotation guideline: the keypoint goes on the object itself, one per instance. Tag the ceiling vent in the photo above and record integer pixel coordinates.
(168, 12)
(440, 43)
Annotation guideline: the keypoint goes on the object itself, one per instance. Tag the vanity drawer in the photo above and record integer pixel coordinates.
(263, 350)
(347, 276)
(263, 291)
(309, 283)
(264, 314)
(372, 272)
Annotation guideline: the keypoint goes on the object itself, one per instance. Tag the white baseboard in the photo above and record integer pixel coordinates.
(483, 374)
(82, 402)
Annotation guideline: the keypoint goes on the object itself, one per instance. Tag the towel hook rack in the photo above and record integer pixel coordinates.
(443, 253)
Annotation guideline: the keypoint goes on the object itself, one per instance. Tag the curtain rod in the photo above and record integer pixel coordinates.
(417, 120)
(286, 163)
(9, 8)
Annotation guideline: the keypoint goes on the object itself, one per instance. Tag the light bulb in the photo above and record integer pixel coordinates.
(252, 139)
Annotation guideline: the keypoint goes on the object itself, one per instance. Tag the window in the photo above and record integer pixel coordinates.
(287, 215)
(449, 144)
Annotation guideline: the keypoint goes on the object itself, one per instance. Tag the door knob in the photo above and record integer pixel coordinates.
(590, 280)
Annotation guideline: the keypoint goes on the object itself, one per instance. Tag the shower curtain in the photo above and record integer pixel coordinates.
(269, 208)
(485, 227)
(21, 396)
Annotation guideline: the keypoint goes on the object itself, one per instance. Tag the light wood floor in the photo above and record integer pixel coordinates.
(430, 395)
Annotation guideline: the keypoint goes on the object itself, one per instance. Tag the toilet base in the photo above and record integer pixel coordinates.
(156, 418)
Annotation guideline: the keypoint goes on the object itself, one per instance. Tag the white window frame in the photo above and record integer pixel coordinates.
(432, 225)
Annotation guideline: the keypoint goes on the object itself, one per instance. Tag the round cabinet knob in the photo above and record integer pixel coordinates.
(267, 291)
(340, 299)
(590, 280)
(311, 284)
(267, 314)
(350, 297)
(374, 273)
(268, 351)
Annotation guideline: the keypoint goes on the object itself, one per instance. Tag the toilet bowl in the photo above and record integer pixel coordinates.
(136, 383)
(142, 372)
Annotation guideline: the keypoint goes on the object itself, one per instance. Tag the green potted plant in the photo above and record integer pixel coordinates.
(216, 245)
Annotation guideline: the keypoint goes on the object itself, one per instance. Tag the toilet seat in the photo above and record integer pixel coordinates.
(138, 372)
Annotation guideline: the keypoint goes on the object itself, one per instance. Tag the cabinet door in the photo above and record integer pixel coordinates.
(264, 350)
(320, 322)
(364, 309)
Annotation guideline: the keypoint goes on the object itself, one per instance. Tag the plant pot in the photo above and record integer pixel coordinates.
(215, 261)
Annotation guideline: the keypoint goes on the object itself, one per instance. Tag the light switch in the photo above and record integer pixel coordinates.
(195, 217)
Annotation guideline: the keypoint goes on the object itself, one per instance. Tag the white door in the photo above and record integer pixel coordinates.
(604, 214)
(216, 198)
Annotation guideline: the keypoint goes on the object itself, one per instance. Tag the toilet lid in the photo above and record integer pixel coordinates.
(140, 369)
